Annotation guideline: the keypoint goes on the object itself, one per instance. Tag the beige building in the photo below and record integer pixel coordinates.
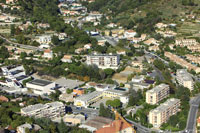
(157, 94)
(186, 42)
(182, 62)
(185, 79)
(74, 119)
(162, 113)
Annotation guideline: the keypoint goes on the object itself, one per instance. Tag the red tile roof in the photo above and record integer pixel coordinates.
(113, 127)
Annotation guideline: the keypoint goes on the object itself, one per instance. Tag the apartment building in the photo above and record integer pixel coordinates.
(186, 42)
(157, 94)
(48, 110)
(193, 59)
(104, 61)
(162, 113)
(182, 62)
(185, 79)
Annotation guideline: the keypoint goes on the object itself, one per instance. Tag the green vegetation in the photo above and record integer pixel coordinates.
(114, 103)
(105, 112)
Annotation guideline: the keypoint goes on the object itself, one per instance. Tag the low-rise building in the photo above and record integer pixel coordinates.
(48, 110)
(157, 94)
(185, 79)
(78, 91)
(22, 128)
(41, 87)
(66, 97)
(182, 62)
(162, 113)
(186, 42)
(15, 75)
(104, 61)
(74, 119)
(117, 126)
(44, 39)
(151, 41)
(87, 99)
(129, 33)
(67, 58)
(48, 54)
(95, 123)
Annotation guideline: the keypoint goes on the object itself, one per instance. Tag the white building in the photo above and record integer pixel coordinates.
(67, 58)
(45, 39)
(48, 54)
(87, 99)
(163, 112)
(41, 87)
(129, 34)
(185, 79)
(48, 110)
(138, 79)
(15, 75)
(104, 61)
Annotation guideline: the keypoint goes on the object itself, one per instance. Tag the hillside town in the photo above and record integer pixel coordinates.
(74, 66)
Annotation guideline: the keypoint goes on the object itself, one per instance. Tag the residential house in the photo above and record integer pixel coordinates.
(48, 54)
(67, 58)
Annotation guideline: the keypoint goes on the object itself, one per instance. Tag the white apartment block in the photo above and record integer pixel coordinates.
(157, 94)
(104, 61)
(162, 113)
(185, 79)
(48, 110)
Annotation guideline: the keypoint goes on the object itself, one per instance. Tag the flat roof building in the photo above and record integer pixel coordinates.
(41, 87)
(157, 94)
(96, 123)
(87, 99)
(162, 113)
(104, 61)
(49, 110)
(185, 79)
(74, 119)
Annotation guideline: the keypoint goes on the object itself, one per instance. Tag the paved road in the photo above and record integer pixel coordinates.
(21, 45)
(191, 121)
(111, 40)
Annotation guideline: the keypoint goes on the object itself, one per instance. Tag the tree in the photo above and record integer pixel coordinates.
(109, 72)
(159, 64)
(12, 28)
(55, 40)
(23, 55)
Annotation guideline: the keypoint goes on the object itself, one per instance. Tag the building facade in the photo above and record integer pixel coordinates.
(185, 79)
(49, 110)
(41, 87)
(104, 61)
(157, 94)
(162, 113)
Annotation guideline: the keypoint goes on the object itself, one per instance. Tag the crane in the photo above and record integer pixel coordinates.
(118, 116)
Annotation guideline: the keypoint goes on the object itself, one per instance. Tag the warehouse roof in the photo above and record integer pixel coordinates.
(40, 82)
